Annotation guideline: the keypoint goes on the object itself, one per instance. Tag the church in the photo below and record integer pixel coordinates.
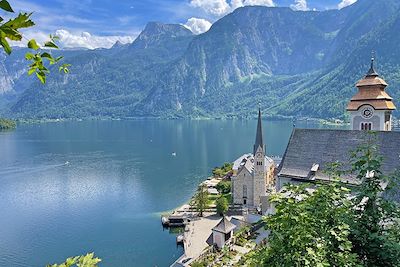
(253, 173)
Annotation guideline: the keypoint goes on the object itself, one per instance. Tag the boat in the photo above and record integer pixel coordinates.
(174, 154)
(179, 239)
(164, 220)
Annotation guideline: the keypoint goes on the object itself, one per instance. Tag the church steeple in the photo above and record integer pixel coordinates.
(259, 136)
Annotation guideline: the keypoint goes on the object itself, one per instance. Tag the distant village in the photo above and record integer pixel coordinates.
(254, 176)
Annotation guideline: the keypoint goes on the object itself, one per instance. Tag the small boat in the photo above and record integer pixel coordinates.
(179, 239)
(174, 154)
(164, 220)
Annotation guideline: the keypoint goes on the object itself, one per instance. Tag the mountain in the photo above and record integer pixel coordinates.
(293, 63)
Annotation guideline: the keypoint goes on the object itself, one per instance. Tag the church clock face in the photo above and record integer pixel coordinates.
(367, 112)
(259, 155)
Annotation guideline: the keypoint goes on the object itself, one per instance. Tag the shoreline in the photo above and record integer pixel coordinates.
(322, 121)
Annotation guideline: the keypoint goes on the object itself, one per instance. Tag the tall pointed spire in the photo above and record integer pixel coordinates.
(371, 72)
(259, 137)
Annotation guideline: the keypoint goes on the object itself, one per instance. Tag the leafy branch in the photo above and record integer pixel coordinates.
(10, 31)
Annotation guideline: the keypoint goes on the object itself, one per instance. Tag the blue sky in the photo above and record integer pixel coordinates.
(102, 22)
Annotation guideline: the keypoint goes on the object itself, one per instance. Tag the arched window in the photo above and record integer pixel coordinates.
(367, 126)
(244, 191)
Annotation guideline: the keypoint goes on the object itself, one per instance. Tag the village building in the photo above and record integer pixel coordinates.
(222, 232)
(253, 173)
(310, 151)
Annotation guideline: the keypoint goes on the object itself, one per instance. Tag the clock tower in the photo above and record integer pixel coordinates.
(371, 108)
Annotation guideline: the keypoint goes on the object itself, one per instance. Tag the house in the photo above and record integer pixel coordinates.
(222, 232)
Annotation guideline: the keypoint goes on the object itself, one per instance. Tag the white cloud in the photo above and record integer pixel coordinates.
(299, 5)
(76, 40)
(222, 7)
(258, 3)
(345, 3)
(214, 7)
(198, 26)
(86, 40)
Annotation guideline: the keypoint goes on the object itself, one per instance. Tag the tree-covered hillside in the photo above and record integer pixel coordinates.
(302, 64)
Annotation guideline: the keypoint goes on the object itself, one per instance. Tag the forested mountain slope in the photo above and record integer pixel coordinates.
(292, 63)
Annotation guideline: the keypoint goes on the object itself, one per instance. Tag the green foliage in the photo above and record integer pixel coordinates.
(38, 64)
(222, 205)
(224, 187)
(309, 228)
(200, 200)
(10, 30)
(324, 226)
(88, 260)
(199, 264)
(374, 230)
(6, 124)
(223, 170)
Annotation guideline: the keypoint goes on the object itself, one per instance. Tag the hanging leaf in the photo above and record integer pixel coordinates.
(64, 67)
(29, 56)
(11, 33)
(41, 76)
(6, 6)
(5, 45)
(21, 21)
(31, 71)
(50, 44)
(33, 45)
(46, 55)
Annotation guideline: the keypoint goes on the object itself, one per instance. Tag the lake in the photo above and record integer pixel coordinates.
(74, 187)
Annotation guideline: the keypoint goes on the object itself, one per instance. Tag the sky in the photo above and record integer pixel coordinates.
(100, 23)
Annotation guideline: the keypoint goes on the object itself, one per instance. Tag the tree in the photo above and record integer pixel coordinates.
(309, 228)
(39, 59)
(222, 205)
(224, 187)
(200, 200)
(88, 260)
(375, 228)
(223, 170)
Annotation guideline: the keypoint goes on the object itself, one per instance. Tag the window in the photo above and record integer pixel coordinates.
(244, 191)
(366, 126)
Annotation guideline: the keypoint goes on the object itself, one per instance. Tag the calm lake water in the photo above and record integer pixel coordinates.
(75, 187)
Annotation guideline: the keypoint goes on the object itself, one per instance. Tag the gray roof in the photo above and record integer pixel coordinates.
(259, 136)
(308, 147)
(247, 162)
(224, 226)
(239, 162)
